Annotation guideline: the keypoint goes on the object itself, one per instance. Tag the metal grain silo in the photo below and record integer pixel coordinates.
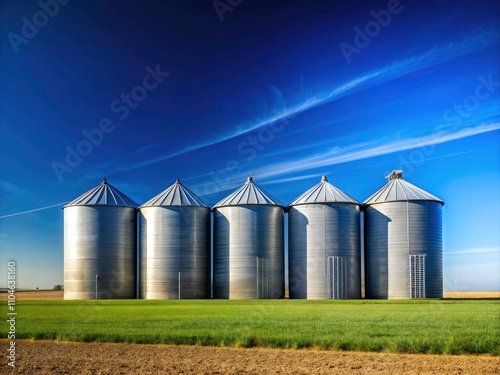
(403, 242)
(174, 245)
(324, 244)
(100, 245)
(248, 245)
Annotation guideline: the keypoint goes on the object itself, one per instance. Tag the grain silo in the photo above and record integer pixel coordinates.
(248, 245)
(100, 245)
(403, 242)
(324, 244)
(174, 245)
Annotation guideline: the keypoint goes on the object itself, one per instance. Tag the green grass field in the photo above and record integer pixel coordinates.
(412, 326)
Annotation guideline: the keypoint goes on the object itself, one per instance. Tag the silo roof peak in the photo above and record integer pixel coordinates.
(398, 189)
(324, 192)
(175, 195)
(103, 194)
(248, 194)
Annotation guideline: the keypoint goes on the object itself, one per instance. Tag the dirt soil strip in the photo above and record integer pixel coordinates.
(53, 357)
(35, 295)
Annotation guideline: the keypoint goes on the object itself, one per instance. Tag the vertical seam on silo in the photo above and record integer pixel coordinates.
(408, 238)
(408, 226)
(257, 264)
(324, 245)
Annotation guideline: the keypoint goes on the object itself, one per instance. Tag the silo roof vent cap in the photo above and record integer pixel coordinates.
(395, 174)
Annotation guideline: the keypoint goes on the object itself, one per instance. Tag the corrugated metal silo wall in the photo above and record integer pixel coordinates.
(174, 240)
(316, 232)
(249, 252)
(393, 232)
(99, 240)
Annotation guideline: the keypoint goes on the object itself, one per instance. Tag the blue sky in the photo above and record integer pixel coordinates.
(288, 91)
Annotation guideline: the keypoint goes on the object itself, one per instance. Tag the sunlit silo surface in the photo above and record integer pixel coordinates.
(248, 245)
(100, 245)
(324, 244)
(174, 245)
(403, 232)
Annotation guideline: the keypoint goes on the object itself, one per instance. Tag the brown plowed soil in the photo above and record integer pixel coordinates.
(48, 357)
(35, 295)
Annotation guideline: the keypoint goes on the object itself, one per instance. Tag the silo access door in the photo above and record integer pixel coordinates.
(417, 276)
(336, 277)
(264, 278)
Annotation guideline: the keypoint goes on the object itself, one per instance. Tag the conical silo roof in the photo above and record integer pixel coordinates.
(324, 192)
(399, 190)
(175, 195)
(248, 194)
(103, 194)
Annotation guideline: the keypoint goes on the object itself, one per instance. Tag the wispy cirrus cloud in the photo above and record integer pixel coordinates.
(368, 150)
(342, 155)
(33, 210)
(476, 40)
(359, 151)
(477, 250)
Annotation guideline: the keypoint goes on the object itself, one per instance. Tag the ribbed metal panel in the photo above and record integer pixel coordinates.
(174, 245)
(249, 252)
(316, 233)
(99, 240)
(175, 252)
(393, 232)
